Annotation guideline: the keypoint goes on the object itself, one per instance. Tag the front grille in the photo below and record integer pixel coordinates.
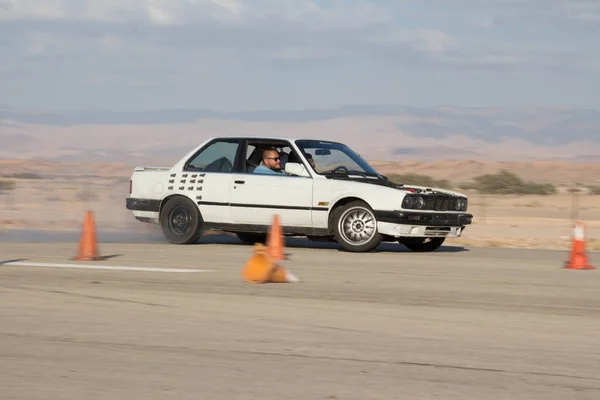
(440, 203)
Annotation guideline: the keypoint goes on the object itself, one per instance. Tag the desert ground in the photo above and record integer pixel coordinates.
(55, 196)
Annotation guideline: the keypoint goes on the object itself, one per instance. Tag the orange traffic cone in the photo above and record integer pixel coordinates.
(88, 244)
(578, 258)
(275, 240)
(260, 268)
(281, 275)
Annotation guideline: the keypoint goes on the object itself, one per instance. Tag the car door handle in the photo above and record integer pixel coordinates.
(240, 182)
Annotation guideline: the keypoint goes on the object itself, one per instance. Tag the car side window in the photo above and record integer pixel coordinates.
(217, 157)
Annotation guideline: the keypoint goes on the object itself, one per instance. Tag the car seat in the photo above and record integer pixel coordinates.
(250, 166)
(254, 160)
(284, 159)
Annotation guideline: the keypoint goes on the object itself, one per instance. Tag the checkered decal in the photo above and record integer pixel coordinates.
(183, 180)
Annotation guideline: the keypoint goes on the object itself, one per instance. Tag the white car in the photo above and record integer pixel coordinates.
(340, 198)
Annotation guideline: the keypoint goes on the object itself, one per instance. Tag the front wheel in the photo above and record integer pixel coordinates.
(355, 227)
(181, 221)
(422, 244)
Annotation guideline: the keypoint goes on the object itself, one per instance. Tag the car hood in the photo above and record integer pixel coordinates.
(351, 180)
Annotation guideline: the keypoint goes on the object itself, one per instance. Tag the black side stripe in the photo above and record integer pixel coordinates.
(215, 203)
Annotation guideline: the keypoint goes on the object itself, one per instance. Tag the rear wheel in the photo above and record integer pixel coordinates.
(181, 221)
(355, 227)
(422, 244)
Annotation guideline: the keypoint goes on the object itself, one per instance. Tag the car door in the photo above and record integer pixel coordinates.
(255, 198)
(208, 177)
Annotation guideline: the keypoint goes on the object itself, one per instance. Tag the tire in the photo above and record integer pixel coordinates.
(423, 245)
(355, 227)
(252, 238)
(181, 221)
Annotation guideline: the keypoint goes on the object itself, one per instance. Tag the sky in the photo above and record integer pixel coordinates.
(236, 55)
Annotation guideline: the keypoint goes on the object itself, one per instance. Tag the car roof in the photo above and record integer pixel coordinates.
(290, 139)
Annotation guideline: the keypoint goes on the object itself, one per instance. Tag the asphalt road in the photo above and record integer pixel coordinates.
(455, 324)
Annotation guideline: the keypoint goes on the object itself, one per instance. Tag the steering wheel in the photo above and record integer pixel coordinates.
(341, 167)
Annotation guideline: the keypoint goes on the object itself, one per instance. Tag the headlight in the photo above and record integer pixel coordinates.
(419, 202)
(458, 204)
(461, 204)
(413, 201)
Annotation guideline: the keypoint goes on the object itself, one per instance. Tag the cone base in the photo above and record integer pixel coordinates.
(583, 267)
(281, 275)
(291, 278)
(579, 262)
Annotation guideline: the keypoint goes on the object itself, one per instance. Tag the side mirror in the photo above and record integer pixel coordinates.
(292, 168)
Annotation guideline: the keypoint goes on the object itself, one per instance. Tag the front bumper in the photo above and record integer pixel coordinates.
(420, 224)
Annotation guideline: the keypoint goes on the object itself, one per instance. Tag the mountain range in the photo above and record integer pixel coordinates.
(381, 132)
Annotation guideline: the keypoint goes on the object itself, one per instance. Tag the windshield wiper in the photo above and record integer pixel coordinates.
(351, 173)
(335, 172)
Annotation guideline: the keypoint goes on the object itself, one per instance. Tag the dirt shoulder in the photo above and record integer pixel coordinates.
(56, 195)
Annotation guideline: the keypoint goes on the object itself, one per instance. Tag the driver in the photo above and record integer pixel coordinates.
(271, 163)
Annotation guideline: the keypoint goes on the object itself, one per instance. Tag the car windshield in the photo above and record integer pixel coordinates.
(335, 158)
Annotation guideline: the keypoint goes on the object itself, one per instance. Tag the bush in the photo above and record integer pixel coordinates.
(505, 182)
(419, 180)
(6, 185)
(24, 175)
(595, 189)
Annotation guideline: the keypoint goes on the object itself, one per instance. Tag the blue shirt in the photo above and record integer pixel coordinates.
(261, 169)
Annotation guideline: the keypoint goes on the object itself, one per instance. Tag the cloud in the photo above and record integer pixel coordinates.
(491, 13)
(582, 10)
(341, 15)
(157, 12)
(236, 52)
(426, 40)
(220, 21)
(278, 30)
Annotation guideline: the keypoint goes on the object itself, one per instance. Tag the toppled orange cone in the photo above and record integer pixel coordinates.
(281, 275)
(578, 258)
(260, 268)
(275, 240)
(88, 244)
